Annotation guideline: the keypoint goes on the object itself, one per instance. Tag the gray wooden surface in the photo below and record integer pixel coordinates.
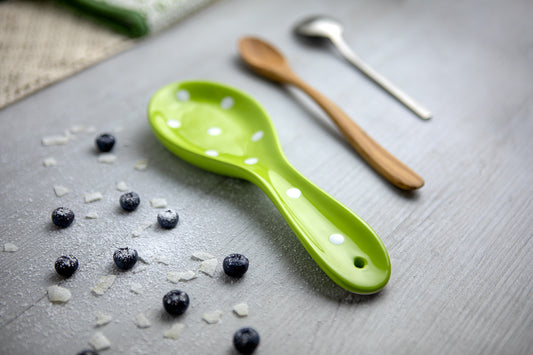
(461, 247)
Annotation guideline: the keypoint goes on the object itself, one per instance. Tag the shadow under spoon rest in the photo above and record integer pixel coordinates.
(223, 130)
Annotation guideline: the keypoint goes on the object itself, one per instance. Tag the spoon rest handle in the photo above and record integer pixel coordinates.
(374, 154)
(340, 242)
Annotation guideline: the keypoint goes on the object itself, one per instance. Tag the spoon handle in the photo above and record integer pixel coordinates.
(340, 242)
(401, 96)
(374, 154)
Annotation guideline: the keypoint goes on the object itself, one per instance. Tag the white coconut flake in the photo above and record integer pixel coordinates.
(158, 203)
(122, 186)
(58, 294)
(91, 215)
(173, 276)
(212, 317)
(99, 342)
(49, 162)
(70, 136)
(175, 331)
(136, 288)
(141, 321)
(102, 319)
(188, 275)
(77, 129)
(176, 276)
(55, 140)
(201, 255)
(209, 267)
(61, 190)
(241, 309)
(107, 158)
(10, 248)
(140, 229)
(93, 196)
(141, 165)
(104, 283)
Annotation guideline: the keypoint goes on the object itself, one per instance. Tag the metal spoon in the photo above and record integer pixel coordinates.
(322, 27)
(270, 63)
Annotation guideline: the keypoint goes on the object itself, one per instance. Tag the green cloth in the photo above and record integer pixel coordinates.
(136, 18)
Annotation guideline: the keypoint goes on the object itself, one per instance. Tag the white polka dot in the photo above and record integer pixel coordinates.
(211, 153)
(227, 103)
(250, 161)
(174, 123)
(257, 136)
(214, 131)
(293, 192)
(336, 239)
(183, 95)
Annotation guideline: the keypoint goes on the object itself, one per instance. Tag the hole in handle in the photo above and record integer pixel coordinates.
(359, 262)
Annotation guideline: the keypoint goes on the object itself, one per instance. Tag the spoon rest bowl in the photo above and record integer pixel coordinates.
(223, 130)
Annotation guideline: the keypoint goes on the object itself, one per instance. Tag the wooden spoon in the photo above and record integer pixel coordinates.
(270, 63)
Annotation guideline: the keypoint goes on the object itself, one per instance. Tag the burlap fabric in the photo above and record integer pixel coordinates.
(42, 42)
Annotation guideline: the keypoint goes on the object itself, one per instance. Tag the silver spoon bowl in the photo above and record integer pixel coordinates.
(319, 28)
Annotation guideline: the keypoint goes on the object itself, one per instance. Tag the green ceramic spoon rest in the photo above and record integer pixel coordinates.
(225, 131)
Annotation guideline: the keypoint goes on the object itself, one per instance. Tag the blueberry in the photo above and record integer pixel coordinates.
(125, 258)
(246, 340)
(168, 219)
(235, 265)
(62, 217)
(66, 265)
(105, 142)
(130, 201)
(87, 352)
(176, 302)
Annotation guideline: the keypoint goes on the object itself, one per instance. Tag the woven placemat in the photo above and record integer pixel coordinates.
(42, 42)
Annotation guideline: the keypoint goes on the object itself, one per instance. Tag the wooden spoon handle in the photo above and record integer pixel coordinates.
(375, 155)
